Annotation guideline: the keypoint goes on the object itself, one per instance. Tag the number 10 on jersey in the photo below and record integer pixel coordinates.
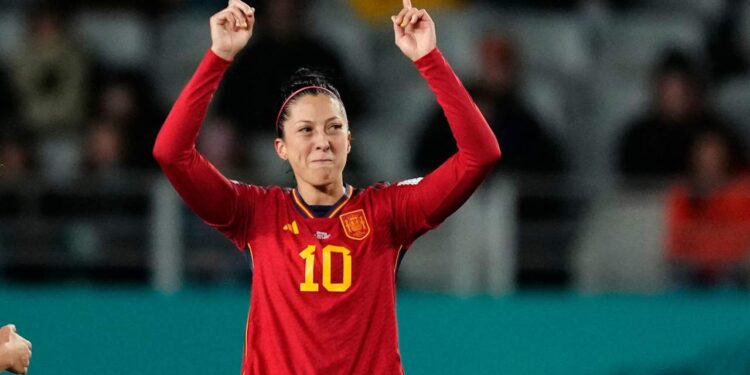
(309, 256)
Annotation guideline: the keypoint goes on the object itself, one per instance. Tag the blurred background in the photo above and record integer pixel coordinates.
(612, 238)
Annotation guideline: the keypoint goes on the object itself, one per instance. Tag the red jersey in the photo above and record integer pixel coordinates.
(712, 232)
(323, 297)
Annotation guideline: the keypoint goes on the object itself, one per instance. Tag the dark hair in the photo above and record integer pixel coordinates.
(303, 77)
(674, 61)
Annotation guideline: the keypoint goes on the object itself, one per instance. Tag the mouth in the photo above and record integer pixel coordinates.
(322, 161)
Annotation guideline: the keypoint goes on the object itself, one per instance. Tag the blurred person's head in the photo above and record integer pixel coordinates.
(118, 101)
(678, 87)
(126, 98)
(715, 156)
(219, 142)
(15, 156)
(104, 145)
(499, 63)
(47, 21)
(284, 18)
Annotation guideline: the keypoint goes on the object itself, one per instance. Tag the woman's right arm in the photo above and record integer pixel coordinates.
(211, 195)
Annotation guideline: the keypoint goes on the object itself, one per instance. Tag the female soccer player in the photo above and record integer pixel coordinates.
(324, 254)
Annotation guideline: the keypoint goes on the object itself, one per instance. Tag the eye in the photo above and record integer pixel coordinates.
(334, 127)
(305, 129)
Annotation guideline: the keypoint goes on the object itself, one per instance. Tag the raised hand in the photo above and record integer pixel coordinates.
(15, 351)
(231, 29)
(414, 31)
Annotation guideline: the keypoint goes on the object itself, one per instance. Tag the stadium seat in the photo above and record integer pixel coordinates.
(733, 102)
(183, 40)
(635, 41)
(118, 39)
(12, 30)
(613, 111)
(475, 249)
(349, 36)
(549, 41)
(620, 246)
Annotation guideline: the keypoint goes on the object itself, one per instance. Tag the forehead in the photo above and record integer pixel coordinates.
(317, 106)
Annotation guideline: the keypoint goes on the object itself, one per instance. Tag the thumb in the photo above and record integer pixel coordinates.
(398, 31)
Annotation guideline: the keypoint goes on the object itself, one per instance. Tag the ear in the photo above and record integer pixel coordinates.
(349, 141)
(280, 147)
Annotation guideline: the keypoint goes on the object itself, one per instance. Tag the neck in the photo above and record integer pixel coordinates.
(321, 195)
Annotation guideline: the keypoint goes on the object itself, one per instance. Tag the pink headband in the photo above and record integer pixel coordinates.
(281, 110)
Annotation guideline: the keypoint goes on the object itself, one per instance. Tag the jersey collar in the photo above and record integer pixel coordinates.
(307, 212)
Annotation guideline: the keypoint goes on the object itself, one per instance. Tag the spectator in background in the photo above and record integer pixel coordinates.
(125, 101)
(51, 79)
(656, 146)
(16, 155)
(51, 74)
(530, 154)
(219, 142)
(709, 214)
(527, 148)
(104, 149)
(284, 46)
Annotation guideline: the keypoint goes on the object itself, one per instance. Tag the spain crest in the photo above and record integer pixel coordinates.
(355, 224)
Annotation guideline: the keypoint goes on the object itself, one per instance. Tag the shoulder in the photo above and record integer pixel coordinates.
(679, 192)
(387, 188)
(385, 185)
(640, 125)
(271, 191)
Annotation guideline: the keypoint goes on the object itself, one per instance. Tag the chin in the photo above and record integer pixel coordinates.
(322, 178)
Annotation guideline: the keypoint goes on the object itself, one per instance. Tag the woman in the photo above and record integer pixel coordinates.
(708, 215)
(324, 254)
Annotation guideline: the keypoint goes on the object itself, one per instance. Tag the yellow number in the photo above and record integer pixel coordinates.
(309, 256)
(347, 281)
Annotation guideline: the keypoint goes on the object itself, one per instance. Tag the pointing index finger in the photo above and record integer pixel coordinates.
(407, 4)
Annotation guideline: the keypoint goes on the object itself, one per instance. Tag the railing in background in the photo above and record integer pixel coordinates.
(135, 229)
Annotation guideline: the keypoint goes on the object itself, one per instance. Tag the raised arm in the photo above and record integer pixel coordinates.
(444, 190)
(204, 189)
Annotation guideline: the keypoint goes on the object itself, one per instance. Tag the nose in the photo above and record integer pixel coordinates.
(320, 140)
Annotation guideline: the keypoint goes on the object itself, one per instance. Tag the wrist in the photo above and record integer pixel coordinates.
(424, 58)
(226, 55)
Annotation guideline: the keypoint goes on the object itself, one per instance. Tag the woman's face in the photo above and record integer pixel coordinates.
(316, 140)
(710, 158)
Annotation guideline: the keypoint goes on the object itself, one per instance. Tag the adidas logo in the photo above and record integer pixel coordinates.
(291, 227)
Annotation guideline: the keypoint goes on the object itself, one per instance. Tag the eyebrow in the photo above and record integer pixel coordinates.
(310, 122)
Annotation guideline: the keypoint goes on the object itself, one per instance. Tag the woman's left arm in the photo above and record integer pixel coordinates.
(444, 190)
